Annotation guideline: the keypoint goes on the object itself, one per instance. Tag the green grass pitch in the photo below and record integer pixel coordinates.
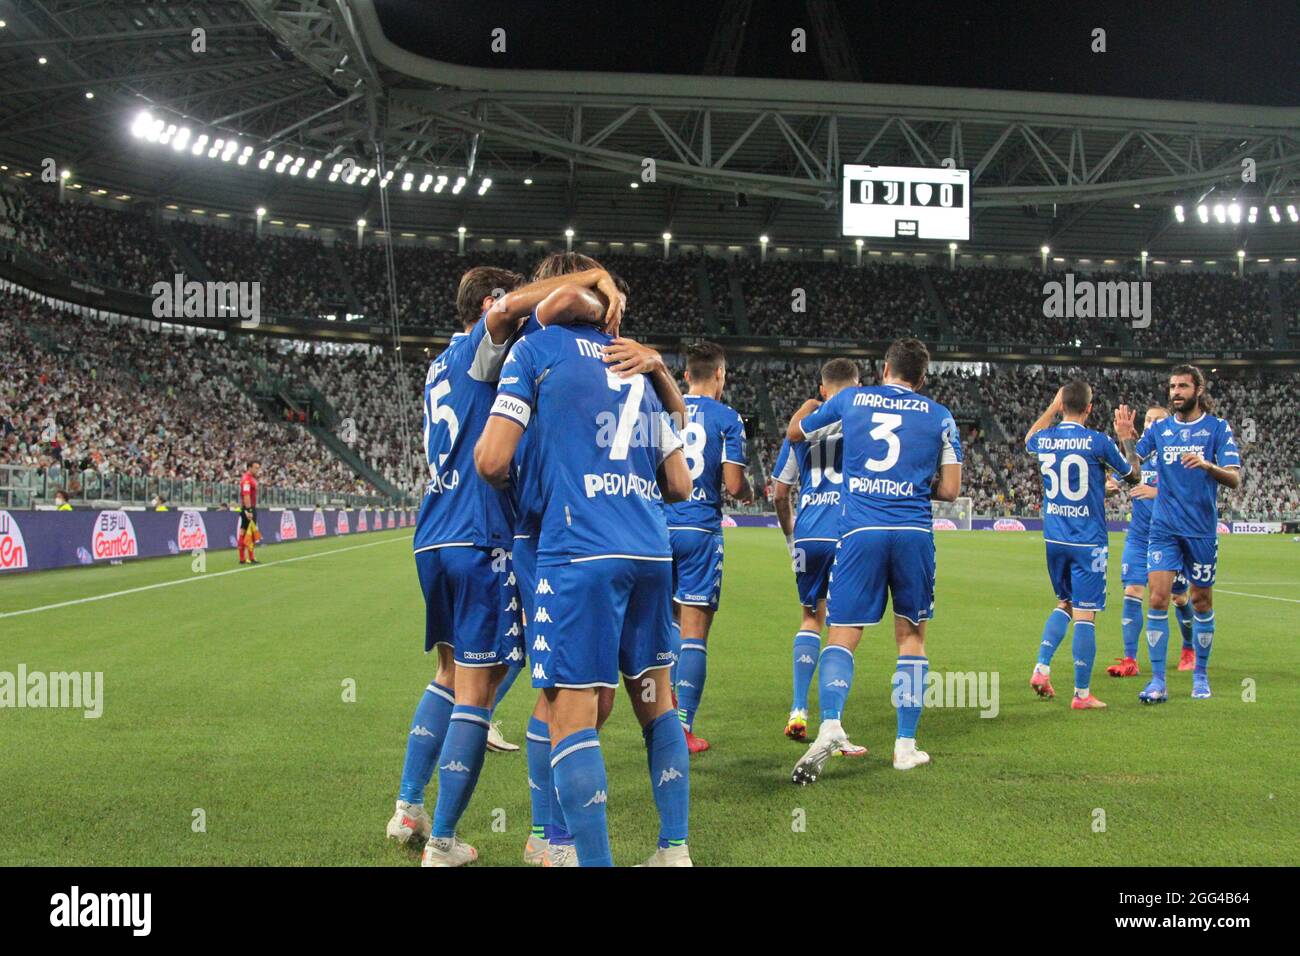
(227, 695)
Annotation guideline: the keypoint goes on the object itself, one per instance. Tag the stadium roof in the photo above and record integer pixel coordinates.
(734, 157)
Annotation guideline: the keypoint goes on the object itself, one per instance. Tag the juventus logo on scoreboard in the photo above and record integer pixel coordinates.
(906, 202)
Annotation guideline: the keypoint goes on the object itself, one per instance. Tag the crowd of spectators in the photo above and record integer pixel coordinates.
(79, 394)
(831, 300)
(93, 244)
(295, 275)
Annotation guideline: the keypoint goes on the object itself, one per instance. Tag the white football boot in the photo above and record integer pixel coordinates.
(561, 854)
(496, 742)
(670, 856)
(447, 851)
(906, 756)
(410, 822)
(535, 850)
(830, 740)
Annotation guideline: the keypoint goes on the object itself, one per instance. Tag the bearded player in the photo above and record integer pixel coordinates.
(1194, 454)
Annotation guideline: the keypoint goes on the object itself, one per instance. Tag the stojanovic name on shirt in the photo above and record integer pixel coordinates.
(73, 909)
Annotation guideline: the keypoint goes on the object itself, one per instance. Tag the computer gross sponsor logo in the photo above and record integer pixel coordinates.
(1008, 524)
(341, 523)
(288, 526)
(318, 524)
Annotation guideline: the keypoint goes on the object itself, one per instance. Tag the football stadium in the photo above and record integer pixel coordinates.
(383, 382)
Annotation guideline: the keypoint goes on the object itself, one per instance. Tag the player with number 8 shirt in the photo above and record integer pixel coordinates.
(714, 437)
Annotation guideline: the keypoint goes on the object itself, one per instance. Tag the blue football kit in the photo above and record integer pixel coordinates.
(895, 441)
(1184, 531)
(713, 434)
(603, 575)
(1184, 522)
(816, 469)
(1073, 460)
(464, 526)
(1133, 562)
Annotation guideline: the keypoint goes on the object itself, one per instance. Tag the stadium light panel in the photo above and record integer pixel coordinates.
(1179, 214)
(1234, 212)
(1203, 212)
(42, 60)
(668, 237)
(243, 159)
(1220, 214)
(1274, 214)
(90, 94)
(568, 234)
(1290, 211)
(1252, 215)
(528, 181)
(440, 185)
(460, 184)
(143, 121)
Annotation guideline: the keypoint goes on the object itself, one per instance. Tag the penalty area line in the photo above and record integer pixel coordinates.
(197, 577)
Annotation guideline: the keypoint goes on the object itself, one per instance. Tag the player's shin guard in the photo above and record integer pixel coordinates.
(1053, 633)
(1084, 646)
(1158, 642)
(806, 648)
(459, 765)
(423, 743)
(1185, 614)
(538, 741)
(512, 671)
(836, 678)
(1203, 639)
(579, 773)
(909, 692)
(670, 770)
(1131, 622)
(691, 673)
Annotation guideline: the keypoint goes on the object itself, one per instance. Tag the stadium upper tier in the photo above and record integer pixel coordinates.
(302, 278)
(80, 394)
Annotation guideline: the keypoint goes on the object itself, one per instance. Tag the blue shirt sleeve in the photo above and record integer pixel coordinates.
(733, 441)
(517, 389)
(817, 422)
(785, 469)
(1226, 453)
(1113, 457)
(1147, 443)
(950, 453)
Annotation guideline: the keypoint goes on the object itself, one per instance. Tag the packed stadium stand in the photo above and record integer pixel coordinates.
(82, 396)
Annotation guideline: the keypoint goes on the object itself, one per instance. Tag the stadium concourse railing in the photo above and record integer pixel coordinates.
(22, 486)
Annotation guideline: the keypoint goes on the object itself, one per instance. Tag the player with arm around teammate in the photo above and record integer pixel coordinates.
(603, 568)
(812, 470)
(461, 544)
(1194, 454)
(896, 444)
(1073, 460)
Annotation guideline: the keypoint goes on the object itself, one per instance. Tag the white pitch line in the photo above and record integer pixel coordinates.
(197, 577)
(1266, 597)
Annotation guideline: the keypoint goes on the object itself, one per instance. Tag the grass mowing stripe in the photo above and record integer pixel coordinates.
(197, 577)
